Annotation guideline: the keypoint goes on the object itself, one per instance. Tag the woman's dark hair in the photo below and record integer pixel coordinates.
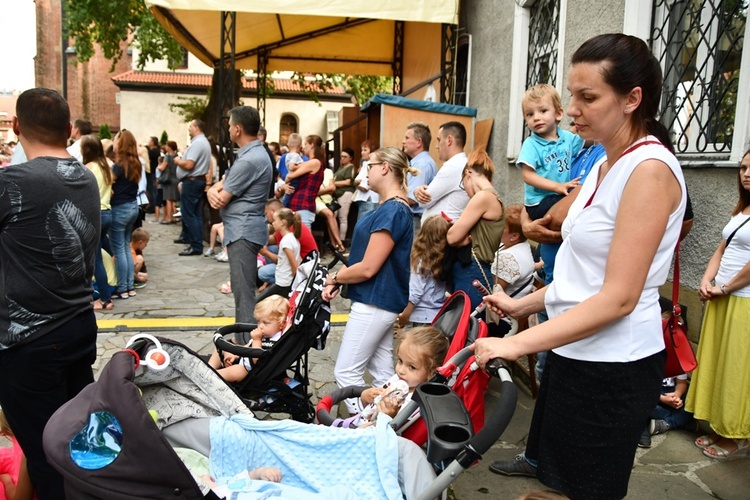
(172, 145)
(318, 151)
(744, 200)
(629, 64)
(92, 151)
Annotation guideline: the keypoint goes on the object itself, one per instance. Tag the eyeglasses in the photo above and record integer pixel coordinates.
(461, 182)
(370, 165)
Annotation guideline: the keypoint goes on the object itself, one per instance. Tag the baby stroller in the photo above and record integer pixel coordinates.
(123, 436)
(456, 321)
(278, 381)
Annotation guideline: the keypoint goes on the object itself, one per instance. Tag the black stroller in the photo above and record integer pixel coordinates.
(278, 381)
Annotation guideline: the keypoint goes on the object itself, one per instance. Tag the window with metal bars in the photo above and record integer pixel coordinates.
(544, 24)
(699, 45)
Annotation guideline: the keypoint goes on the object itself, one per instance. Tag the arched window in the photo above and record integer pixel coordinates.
(288, 125)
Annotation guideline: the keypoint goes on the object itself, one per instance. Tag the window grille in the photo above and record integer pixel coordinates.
(543, 43)
(699, 46)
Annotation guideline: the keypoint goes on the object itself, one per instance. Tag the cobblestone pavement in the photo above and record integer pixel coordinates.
(182, 301)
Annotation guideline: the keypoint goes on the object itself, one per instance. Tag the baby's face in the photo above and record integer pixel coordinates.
(268, 326)
(541, 116)
(410, 365)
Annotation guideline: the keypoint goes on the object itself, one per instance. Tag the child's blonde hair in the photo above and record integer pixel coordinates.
(294, 141)
(432, 343)
(274, 307)
(539, 91)
(139, 234)
(429, 247)
(292, 220)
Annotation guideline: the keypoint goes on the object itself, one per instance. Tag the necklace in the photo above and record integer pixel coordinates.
(400, 199)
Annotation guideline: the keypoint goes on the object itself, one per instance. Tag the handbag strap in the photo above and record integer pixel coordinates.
(676, 311)
(523, 287)
(729, 240)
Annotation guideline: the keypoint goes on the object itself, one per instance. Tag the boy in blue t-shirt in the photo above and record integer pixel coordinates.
(545, 156)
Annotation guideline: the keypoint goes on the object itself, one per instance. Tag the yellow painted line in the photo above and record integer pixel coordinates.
(199, 323)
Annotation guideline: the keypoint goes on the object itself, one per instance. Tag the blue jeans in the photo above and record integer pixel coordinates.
(464, 274)
(99, 272)
(307, 217)
(541, 357)
(676, 419)
(123, 219)
(192, 215)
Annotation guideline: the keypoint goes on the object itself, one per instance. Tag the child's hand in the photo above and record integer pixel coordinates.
(368, 395)
(271, 474)
(230, 359)
(673, 400)
(389, 406)
(566, 187)
(256, 334)
(209, 481)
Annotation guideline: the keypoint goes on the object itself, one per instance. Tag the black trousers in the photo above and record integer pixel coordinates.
(35, 380)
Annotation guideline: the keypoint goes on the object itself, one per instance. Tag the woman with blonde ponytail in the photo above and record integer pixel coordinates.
(479, 229)
(377, 275)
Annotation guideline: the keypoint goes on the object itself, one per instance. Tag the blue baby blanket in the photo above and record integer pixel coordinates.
(339, 463)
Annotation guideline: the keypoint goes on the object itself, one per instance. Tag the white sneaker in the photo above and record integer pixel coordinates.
(222, 257)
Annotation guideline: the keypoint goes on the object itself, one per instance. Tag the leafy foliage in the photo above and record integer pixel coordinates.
(104, 132)
(362, 87)
(191, 108)
(108, 23)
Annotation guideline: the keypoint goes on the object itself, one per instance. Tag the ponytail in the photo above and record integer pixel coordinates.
(292, 220)
(297, 225)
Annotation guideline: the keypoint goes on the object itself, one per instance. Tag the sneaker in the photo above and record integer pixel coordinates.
(516, 467)
(209, 252)
(222, 257)
(645, 440)
(658, 427)
(139, 284)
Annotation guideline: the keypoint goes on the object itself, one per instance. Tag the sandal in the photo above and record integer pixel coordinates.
(132, 293)
(721, 454)
(707, 440)
(226, 288)
(121, 295)
(107, 305)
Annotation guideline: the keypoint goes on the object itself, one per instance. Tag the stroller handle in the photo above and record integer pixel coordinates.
(239, 350)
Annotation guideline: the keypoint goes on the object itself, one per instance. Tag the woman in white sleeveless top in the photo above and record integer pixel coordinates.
(606, 365)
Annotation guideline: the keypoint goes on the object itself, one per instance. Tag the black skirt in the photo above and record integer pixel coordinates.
(587, 421)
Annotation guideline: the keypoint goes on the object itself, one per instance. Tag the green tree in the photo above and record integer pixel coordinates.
(164, 138)
(104, 132)
(362, 87)
(111, 22)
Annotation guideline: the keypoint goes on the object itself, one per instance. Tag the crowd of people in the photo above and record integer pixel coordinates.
(421, 232)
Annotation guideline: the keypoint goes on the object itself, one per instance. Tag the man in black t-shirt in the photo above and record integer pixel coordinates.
(49, 234)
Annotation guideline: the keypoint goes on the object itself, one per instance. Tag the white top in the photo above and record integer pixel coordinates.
(736, 255)
(444, 189)
(515, 265)
(284, 275)
(74, 150)
(368, 195)
(582, 259)
(428, 296)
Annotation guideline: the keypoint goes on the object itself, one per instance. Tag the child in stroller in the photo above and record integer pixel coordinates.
(271, 315)
(419, 353)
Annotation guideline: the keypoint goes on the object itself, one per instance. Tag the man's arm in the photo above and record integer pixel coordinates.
(538, 230)
(218, 197)
(184, 164)
(439, 188)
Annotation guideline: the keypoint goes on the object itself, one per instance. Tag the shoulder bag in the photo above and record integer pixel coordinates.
(680, 356)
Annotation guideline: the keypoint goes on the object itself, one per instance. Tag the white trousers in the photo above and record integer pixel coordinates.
(367, 343)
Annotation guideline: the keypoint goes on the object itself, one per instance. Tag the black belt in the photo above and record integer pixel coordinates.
(202, 177)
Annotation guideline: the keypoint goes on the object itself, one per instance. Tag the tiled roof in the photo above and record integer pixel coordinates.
(202, 80)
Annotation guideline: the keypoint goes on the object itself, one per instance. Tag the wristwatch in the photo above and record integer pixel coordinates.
(333, 278)
(723, 290)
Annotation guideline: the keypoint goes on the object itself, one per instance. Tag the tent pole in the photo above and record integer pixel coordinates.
(447, 63)
(225, 100)
(398, 56)
(262, 85)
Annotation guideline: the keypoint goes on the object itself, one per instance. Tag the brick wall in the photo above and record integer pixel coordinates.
(91, 93)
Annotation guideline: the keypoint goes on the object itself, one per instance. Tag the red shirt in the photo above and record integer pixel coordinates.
(306, 241)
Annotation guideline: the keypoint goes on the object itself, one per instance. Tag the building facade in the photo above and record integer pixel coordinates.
(518, 43)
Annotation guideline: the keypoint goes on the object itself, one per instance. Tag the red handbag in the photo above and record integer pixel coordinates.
(680, 356)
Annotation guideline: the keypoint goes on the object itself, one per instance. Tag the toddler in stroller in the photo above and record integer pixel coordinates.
(271, 315)
(278, 381)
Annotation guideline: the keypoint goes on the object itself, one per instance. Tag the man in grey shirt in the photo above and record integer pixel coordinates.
(191, 170)
(242, 196)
